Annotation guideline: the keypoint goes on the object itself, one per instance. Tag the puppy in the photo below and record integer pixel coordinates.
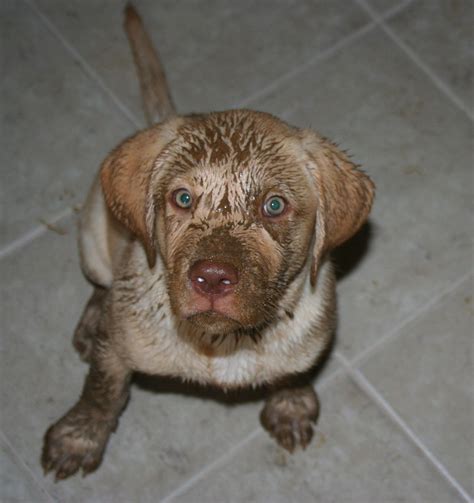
(206, 238)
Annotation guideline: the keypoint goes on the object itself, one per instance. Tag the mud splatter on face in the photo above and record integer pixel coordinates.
(230, 168)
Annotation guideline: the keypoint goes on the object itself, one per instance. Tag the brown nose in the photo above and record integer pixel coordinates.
(213, 278)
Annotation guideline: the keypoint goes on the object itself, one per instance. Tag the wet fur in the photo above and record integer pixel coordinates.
(137, 248)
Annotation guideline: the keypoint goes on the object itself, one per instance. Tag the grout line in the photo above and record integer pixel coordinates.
(221, 460)
(32, 234)
(275, 84)
(323, 55)
(25, 467)
(420, 310)
(210, 467)
(360, 379)
(88, 69)
(23, 240)
(438, 82)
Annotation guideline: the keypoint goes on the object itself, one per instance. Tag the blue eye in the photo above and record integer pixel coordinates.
(183, 198)
(274, 206)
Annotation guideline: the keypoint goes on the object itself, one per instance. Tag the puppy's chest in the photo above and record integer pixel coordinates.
(162, 350)
(154, 342)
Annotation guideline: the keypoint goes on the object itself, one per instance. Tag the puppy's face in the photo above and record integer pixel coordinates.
(232, 202)
(235, 218)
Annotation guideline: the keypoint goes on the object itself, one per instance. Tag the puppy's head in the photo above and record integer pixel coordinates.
(236, 203)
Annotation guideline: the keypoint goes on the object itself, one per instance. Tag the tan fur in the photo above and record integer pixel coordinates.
(138, 247)
(157, 102)
(125, 179)
(345, 195)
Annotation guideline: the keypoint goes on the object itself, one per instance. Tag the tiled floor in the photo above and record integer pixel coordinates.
(390, 80)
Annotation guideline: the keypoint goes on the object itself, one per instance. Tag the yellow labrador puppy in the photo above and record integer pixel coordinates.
(207, 238)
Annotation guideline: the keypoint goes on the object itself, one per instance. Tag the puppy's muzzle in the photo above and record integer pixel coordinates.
(213, 279)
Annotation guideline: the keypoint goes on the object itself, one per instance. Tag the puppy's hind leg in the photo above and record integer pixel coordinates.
(88, 326)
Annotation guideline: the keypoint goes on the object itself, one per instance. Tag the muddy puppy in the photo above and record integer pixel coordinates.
(207, 240)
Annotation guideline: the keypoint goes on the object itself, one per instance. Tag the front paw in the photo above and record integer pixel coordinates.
(288, 416)
(77, 441)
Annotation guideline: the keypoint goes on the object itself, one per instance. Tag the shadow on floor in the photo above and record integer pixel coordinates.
(348, 256)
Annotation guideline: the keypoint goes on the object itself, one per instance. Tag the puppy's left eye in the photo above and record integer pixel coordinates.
(274, 206)
(183, 198)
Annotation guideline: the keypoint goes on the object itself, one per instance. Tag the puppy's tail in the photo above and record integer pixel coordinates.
(157, 102)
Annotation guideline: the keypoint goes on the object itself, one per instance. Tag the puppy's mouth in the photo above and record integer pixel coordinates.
(211, 309)
(214, 322)
(209, 317)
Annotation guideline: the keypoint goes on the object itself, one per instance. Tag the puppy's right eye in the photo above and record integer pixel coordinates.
(183, 198)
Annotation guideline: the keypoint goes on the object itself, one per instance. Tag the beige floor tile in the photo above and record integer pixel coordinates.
(57, 126)
(16, 485)
(426, 374)
(440, 34)
(383, 6)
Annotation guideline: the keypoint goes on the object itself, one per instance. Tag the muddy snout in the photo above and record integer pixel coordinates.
(224, 285)
(213, 279)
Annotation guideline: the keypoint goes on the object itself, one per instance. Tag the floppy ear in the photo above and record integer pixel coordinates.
(345, 195)
(125, 176)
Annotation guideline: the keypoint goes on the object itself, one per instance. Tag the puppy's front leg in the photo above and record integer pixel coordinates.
(88, 326)
(79, 438)
(288, 415)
